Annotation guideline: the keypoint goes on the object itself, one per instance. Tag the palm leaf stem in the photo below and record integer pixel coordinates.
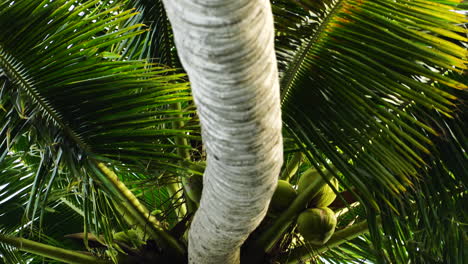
(180, 141)
(19, 77)
(308, 251)
(60, 254)
(292, 166)
(138, 212)
(174, 188)
(294, 67)
(71, 205)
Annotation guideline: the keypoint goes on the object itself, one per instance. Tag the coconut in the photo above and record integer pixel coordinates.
(317, 225)
(324, 196)
(283, 197)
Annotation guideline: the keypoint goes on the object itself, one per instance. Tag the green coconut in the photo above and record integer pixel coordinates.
(283, 197)
(317, 225)
(324, 196)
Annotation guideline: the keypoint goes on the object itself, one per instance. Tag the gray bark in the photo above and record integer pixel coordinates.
(226, 47)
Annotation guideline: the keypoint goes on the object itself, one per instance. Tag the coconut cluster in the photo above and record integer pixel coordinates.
(317, 222)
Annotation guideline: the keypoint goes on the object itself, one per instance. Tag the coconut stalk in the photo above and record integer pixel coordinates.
(292, 166)
(51, 252)
(308, 251)
(174, 188)
(137, 213)
(227, 49)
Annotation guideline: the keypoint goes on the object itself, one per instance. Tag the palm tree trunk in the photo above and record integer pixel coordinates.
(227, 49)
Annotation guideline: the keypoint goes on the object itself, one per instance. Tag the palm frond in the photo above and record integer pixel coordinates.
(99, 105)
(62, 88)
(438, 198)
(344, 92)
(157, 44)
(364, 93)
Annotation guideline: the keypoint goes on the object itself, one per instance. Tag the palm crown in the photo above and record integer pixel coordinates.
(100, 138)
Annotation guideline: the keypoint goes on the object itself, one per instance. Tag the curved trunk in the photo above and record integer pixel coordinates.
(227, 49)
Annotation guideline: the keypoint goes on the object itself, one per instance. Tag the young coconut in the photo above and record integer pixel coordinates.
(324, 196)
(317, 225)
(284, 195)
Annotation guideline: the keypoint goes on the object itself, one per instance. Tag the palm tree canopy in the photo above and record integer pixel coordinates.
(95, 109)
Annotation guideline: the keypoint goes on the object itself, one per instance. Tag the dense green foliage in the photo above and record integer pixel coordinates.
(98, 131)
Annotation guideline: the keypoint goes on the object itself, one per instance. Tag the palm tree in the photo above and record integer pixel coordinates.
(234, 79)
(101, 152)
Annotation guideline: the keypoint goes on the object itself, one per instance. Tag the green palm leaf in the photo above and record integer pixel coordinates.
(352, 88)
(156, 44)
(370, 90)
(98, 101)
(373, 91)
(62, 87)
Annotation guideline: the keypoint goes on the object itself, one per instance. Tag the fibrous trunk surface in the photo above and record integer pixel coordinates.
(226, 47)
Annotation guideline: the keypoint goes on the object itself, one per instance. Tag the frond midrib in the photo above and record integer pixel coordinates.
(290, 73)
(18, 75)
